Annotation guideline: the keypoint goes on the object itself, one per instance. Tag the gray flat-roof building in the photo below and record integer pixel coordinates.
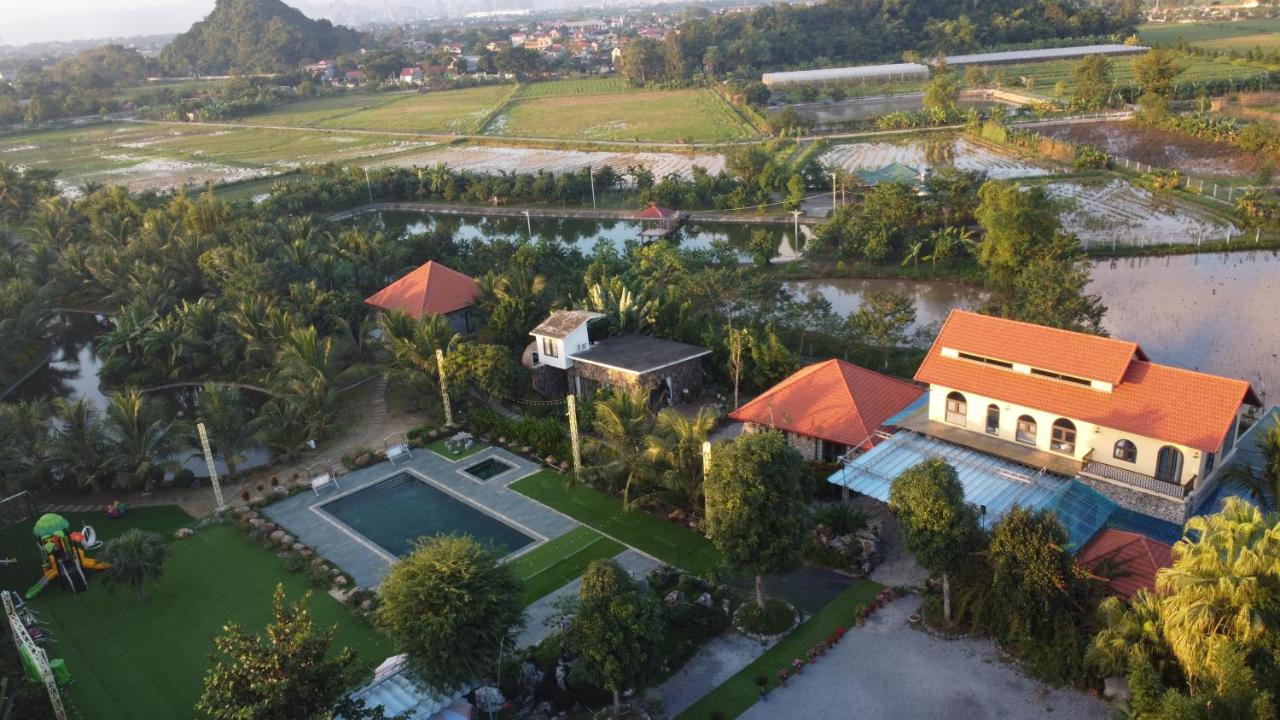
(1044, 54)
(860, 73)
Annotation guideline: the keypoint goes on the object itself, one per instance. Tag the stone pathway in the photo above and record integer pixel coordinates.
(709, 668)
(536, 628)
(899, 567)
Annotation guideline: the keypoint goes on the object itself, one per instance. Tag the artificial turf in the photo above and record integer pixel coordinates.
(553, 564)
(739, 692)
(670, 543)
(440, 448)
(147, 660)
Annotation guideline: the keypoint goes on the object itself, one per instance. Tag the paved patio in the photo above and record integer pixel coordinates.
(887, 669)
(366, 562)
(536, 628)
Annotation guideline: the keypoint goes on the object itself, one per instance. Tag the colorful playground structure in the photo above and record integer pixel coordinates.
(65, 553)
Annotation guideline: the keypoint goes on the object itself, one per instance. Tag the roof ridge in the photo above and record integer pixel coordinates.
(853, 399)
(1189, 371)
(1045, 328)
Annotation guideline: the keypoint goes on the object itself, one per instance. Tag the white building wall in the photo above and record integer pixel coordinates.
(574, 342)
(1088, 435)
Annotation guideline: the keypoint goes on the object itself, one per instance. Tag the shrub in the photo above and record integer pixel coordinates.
(776, 617)
(840, 519)
(184, 477)
(293, 562)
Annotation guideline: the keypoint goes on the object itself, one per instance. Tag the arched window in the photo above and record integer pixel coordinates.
(1125, 450)
(1169, 465)
(1026, 432)
(1063, 437)
(957, 409)
(993, 420)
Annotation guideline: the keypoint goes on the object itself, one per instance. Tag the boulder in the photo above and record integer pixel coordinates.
(705, 600)
(257, 500)
(257, 522)
(677, 515)
(280, 492)
(338, 594)
(286, 540)
(673, 597)
(298, 547)
(183, 533)
(269, 527)
(340, 580)
(306, 552)
(277, 535)
(366, 605)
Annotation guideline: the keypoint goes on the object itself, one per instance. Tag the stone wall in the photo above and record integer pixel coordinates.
(684, 376)
(549, 382)
(1171, 509)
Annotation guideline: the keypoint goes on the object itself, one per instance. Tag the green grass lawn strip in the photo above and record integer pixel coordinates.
(739, 692)
(553, 564)
(147, 660)
(670, 543)
(438, 447)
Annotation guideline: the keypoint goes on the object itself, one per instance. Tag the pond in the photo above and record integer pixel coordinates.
(585, 234)
(72, 373)
(933, 298)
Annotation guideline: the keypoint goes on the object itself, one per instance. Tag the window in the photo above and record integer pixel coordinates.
(985, 360)
(957, 409)
(1169, 465)
(993, 420)
(1060, 376)
(1125, 450)
(550, 348)
(1063, 437)
(1026, 433)
(831, 451)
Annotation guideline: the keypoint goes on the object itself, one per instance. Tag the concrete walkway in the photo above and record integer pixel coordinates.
(537, 629)
(889, 670)
(709, 668)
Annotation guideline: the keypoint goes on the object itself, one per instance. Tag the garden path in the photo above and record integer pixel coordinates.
(710, 667)
(536, 628)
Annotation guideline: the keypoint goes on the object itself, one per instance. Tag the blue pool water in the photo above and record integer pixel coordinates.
(394, 513)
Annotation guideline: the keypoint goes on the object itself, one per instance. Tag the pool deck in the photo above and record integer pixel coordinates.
(367, 563)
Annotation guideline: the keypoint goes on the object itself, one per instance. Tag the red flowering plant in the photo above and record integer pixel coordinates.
(783, 675)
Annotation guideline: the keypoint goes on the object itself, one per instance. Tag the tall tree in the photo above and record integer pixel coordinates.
(674, 449)
(1016, 223)
(622, 422)
(1155, 73)
(1093, 82)
(452, 608)
(758, 515)
(226, 421)
(143, 442)
(135, 558)
(942, 92)
(616, 631)
(882, 321)
(938, 525)
(78, 445)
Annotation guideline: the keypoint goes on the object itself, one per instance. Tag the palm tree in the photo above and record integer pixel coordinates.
(675, 449)
(135, 558)
(411, 347)
(143, 443)
(24, 439)
(1219, 589)
(622, 421)
(307, 374)
(77, 446)
(1129, 632)
(1263, 483)
(226, 423)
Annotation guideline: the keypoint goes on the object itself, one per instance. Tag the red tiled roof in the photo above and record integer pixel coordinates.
(1132, 559)
(1062, 351)
(432, 289)
(653, 212)
(1157, 401)
(832, 400)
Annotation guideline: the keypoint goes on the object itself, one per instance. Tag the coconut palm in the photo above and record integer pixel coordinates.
(77, 445)
(1130, 631)
(143, 442)
(307, 374)
(622, 421)
(675, 450)
(1262, 482)
(24, 440)
(411, 347)
(1219, 589)
(227, 424)
(135, 558)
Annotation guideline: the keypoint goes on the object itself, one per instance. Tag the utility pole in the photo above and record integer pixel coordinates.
(213, 469)
(795, 239)
(528, 222)
(444, 388)
(833, 192)
(591, 173)
(573, 436)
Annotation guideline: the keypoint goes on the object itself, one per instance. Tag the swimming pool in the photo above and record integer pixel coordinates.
(395, 512)
(489, 468)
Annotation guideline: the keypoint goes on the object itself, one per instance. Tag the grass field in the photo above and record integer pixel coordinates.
(694, 114)
(1242, 36)
(670, 543)
(569, 88)
(147, 660)
(553, 564)
(739, 692)
(1046, 75)
(452, 111)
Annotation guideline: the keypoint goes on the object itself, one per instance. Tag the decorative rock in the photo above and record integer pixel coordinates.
(257, 522)
(335, 571)
(338, 594)
(277, 535)
(340, 580)
(367, 605)
(257, 500)
(677, 515)
(673, 597)
(298, 547)
(280, 492)
(306, 552)
(286, 540)
(183, 533)
(705, 600)
(270, 527)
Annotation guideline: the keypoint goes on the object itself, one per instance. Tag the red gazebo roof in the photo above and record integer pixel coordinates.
(432, 289)
(653, 212)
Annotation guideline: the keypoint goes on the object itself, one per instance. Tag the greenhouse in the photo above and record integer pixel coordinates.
(1044, 54)
(861, 73)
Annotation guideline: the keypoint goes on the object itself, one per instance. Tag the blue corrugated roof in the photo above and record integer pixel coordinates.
(1247, 453)
(920, 402)
(990, 482)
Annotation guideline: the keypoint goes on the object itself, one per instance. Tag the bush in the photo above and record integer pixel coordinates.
(776, 617)
(293, 562)
(840, 519)
(184, 477)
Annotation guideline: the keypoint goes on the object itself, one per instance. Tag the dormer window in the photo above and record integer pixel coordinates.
(550, 347)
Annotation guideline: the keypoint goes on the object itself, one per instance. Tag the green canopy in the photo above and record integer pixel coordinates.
(50, 523)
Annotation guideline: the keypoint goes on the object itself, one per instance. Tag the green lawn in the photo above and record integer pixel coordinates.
(132, 660)
(1242, 35)
(739, 692)
(696, 114)
(553, 564)
(670, 543)
(438, 447)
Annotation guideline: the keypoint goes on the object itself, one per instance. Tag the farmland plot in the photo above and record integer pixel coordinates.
(1161, 148)
(531, 160)
(1128, 215)
(452, 111)
(693, 114)
(942, 151)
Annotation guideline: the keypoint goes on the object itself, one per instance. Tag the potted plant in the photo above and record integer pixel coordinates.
(762, 684)
(783, 674)
(797, 665)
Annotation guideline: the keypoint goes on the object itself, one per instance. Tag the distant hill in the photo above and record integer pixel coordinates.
(254, 36)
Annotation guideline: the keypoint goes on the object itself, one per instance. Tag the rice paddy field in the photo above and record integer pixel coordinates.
(935, 150)
(531, 160)
(1225, 36)
(692, 114)
(447, 111)
(1045, 76)
(161, 156)
(570, 88)
(1101, 213)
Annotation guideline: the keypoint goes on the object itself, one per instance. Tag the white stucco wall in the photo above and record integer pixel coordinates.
(1088, 435)
(576, 341)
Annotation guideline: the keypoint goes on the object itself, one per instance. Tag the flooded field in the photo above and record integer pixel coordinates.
(836, 113)
(1161, 148)
(933, 299)
(935, 150)
(532, 160)
(1214, 313)
(1118, 212)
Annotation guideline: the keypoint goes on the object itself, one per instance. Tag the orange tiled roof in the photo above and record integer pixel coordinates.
(1157, 401)
(432, 289)
(1134, 559)
(653, 212)
(832, 400)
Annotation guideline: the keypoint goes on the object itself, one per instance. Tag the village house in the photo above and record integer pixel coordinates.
(571, 352)
(411, 76)
(830, 408)
(1146, 435)
(353, 78)
(432, 289)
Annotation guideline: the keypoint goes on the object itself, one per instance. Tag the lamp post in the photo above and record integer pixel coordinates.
(833, 192)
(528, 224)
(591, 173)
(795, 239)
(368, 186)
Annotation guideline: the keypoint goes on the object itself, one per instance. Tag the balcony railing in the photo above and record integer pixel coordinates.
(1123, 476)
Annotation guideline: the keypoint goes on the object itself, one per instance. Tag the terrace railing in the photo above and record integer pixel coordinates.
(1123, 476)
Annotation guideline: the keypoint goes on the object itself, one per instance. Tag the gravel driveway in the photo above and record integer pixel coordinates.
(889, 670)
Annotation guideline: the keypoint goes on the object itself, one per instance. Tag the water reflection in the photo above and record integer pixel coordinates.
(933, 298)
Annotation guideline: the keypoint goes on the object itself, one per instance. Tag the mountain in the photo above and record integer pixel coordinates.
(254, 36)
